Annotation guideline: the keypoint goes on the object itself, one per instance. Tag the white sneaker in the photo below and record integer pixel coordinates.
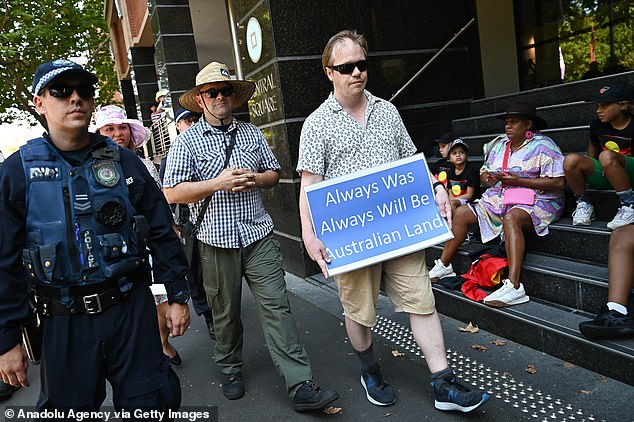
(501, 291)
(440, 271)
(583, 215)
(507, 295)
(623, 217)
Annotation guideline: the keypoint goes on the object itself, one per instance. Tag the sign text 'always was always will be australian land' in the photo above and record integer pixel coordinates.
(376, 214)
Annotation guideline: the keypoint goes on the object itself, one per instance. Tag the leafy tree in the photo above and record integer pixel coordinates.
(37, 31)
(581, 17)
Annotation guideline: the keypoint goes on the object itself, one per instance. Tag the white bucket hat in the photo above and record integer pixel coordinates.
(112, 114)
(217, 72)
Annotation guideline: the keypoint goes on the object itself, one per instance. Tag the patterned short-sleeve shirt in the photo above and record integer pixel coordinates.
(537, 157)
(334, 144)
(233, 220)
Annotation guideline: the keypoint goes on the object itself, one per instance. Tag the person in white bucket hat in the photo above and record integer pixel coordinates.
(225, 163)
(112, 121)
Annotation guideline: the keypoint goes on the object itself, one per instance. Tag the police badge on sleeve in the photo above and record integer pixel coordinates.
(106, 173)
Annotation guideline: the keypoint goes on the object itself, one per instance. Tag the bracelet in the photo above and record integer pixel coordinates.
(436, 184)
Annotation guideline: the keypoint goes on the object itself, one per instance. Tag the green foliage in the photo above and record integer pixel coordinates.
(37, 31)
(575, 34)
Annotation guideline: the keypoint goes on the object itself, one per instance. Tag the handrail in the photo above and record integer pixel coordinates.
(464, 28)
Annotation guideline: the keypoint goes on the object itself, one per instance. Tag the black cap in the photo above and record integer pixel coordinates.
(613, 93)
(47, 72)
(458, 142)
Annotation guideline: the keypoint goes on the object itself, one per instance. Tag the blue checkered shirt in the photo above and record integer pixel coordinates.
(233, 220)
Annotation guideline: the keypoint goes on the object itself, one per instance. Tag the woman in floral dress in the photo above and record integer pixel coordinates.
(524, 159)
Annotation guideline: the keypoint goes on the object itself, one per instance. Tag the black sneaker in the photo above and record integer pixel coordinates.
(233, 387)
(453, 396)
(310, 397)
(377, 391)
(209, 319)
(608, 325)
(6, 390)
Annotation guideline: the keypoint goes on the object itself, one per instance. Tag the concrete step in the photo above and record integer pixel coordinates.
(574, 114)
(547, 328)
(582, 243)
(426, 122)
(565, 273)
(552, 95)
(559, 281)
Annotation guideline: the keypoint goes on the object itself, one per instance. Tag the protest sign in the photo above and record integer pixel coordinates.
(376, 214)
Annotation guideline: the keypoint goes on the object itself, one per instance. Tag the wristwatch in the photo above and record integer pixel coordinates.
(181, 297)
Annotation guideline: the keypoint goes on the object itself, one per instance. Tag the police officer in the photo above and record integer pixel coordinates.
(78, 213)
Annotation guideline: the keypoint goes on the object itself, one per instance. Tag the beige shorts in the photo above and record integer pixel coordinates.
(405, 280)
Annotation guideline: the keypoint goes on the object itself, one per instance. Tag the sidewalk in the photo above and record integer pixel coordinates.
(555, 392)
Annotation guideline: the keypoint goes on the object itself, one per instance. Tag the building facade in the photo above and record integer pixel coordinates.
(500, 47)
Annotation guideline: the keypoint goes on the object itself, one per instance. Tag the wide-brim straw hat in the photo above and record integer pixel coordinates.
(526, 111)
(217, 72)
(112, 114)
(160, 93)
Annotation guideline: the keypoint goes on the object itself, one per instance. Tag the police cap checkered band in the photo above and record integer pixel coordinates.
(47, 72)
(181, 113)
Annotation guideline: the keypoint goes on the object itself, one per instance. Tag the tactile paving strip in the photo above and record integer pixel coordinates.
(535, 404)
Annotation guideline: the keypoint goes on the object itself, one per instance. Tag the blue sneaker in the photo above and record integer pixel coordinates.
(377, 391)
(453, 396)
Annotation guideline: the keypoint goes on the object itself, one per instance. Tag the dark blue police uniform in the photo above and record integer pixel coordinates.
(76, 235)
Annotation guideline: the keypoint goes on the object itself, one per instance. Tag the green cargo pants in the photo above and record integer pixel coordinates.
(261, 266)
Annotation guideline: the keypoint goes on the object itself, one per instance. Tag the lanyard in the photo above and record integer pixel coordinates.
(505, 161)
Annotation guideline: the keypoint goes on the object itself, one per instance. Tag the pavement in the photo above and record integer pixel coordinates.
(524, 384)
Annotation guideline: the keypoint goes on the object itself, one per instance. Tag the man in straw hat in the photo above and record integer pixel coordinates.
(351, 116)
(79, 212)
(229, 162)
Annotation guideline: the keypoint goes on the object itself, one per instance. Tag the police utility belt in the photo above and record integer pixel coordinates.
(89, 300)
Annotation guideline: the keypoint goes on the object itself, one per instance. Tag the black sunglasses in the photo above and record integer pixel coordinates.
(348, 68)
(226, 91)
(85, 91)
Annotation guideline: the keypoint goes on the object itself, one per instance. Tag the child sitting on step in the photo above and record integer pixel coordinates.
(464, 178)
(441, 168)
(609, 163)
(614, 320)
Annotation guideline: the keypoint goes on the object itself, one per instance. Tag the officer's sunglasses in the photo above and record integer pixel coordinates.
(85, 91)
(348, 68)
(226, 91)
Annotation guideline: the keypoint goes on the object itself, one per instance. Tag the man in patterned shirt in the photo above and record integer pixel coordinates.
(230, 161)
(354, 130)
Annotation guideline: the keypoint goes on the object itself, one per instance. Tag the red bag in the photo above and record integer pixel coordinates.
(486, 271)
